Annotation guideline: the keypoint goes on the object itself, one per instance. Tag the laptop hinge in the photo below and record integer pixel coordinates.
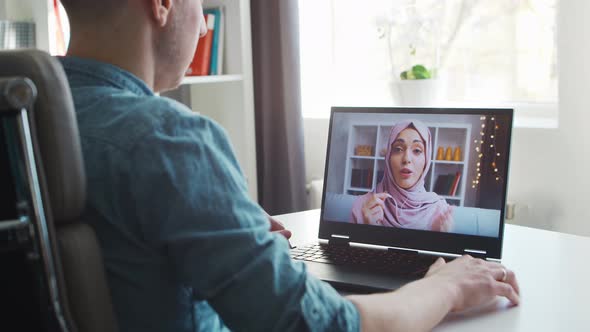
(339, 240)
(476, 253)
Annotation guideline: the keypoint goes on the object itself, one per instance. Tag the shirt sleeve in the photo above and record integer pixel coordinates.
(195, 209)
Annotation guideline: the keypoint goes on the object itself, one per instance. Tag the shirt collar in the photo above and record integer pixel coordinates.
(92, 72)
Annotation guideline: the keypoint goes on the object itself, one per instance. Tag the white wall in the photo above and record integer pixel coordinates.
(2, 9)
(549, 176)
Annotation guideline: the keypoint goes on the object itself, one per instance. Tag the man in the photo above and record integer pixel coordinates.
(185, 248)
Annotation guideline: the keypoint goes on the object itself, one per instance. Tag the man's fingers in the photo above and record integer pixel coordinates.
(506, 290)
(435, 266)
(511, 280)
(275, 225)
(498, 274)
(438, 263)
(286, 233)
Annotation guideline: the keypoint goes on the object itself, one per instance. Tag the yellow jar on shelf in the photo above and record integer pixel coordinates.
(449, 154)
(457, 155)
(440, 153)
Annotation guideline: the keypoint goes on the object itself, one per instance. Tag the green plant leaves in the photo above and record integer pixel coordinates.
(418, 72)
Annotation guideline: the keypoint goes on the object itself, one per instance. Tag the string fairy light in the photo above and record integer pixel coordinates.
(491, 153)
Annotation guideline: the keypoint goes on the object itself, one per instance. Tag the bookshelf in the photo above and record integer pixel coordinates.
(363, 173)
(227, 98)
(211, 79)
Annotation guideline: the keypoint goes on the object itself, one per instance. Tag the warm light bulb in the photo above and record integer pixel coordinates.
(491, 145)
(475, 141)
(478, 174)
(498, 154)
(497, 179)
(491, 136)
(493, 118)
(495, 169)
(483, 125)
(481, 155)
(478, 164)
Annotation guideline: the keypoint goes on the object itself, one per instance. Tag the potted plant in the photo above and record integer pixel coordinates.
(418, 85)
(414, 79)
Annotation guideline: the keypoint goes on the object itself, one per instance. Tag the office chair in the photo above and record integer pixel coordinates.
(43, 188)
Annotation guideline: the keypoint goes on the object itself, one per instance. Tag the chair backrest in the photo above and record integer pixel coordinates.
(70, 250)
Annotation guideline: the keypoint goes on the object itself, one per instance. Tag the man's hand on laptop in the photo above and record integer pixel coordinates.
(462, 284)
(474, 281)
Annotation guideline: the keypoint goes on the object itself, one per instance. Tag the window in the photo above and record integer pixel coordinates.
(493, 53)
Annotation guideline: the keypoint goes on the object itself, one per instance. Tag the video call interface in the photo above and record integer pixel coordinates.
(429, 172)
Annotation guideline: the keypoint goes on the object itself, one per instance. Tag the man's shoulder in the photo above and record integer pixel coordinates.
(125, 120)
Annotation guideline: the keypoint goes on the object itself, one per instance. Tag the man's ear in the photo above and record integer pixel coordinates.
(161, 11)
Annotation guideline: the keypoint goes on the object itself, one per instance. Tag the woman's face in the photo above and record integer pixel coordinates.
(407, 159)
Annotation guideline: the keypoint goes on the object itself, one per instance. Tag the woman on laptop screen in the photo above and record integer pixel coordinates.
(400, 199)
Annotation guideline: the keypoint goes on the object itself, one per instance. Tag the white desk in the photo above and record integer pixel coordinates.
(553, 270)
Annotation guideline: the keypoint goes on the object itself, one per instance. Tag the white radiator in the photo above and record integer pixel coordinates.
(314, 194)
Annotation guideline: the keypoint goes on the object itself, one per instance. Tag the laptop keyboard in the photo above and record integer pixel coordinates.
(389, 262)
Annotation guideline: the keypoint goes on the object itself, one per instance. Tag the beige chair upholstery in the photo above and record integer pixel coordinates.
(84, 296)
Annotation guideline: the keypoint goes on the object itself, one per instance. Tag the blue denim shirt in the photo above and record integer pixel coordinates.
(184, 246)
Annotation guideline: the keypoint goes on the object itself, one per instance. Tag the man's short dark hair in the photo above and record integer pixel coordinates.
(85, 8)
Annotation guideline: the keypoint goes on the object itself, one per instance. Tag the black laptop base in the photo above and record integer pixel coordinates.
(363, 270)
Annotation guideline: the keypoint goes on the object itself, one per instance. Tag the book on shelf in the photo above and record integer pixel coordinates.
(439, 185)
(217, 45)
(455, 185)
(379, 175)
(447, 184)
(361, 178)
(202, 59)
(369, 179)
(355, 178)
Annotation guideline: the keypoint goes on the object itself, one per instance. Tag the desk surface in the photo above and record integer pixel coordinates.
(552, 269)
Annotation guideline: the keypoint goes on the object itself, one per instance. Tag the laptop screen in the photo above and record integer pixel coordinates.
(421, 170)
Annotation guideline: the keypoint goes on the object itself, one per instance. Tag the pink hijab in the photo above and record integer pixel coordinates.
(409, 208)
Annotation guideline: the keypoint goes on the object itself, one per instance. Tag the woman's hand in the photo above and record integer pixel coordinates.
(373, 209)
(443, 220)
(474, 281)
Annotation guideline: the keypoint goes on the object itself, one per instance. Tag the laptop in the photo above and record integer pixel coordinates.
(404, 186)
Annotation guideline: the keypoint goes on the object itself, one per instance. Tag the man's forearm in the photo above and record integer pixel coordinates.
(418, 306)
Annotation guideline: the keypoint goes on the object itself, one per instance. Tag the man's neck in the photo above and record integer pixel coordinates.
(131, 53)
